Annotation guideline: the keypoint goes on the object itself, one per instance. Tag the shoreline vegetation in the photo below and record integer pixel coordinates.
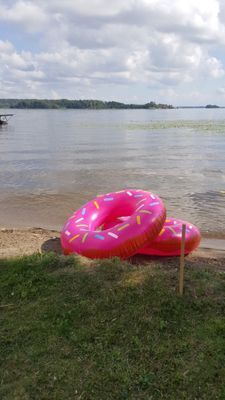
(77, 104)
(89, 104)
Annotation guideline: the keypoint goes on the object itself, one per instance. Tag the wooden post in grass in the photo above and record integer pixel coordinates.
(182, 252)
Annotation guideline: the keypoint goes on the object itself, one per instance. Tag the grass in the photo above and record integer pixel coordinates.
(71, 329)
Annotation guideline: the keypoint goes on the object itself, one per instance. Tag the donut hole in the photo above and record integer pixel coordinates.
(113, 215)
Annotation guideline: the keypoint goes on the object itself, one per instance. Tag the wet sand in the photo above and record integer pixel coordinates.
(45, 210)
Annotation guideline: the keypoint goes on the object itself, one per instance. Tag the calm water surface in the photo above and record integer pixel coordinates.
(51, 161)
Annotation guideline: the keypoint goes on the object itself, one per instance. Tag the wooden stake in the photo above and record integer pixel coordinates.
(182, 251)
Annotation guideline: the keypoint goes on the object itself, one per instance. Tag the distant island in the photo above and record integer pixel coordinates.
(207, 106)
(212, 106)
(78, 104)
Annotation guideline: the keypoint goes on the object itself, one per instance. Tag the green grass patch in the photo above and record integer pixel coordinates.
(74, 329)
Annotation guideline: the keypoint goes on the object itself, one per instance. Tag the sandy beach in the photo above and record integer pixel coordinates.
(19, 242)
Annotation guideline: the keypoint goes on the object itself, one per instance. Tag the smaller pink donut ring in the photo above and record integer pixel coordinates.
(83, 233)
(168, 242)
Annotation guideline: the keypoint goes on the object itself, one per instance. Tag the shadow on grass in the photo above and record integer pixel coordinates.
(167, 263)
(54, 245)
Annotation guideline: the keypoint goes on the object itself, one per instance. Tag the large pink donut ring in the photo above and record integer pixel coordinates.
(83, 232)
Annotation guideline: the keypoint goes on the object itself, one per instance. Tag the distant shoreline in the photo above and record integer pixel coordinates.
(91, 104)
(78, 104)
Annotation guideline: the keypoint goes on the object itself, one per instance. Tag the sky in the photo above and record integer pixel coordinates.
(168, 51)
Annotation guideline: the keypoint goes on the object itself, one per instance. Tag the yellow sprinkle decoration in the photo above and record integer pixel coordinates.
(145, 212)
(84, 237)
(82, 225)
(73, 238)
(122, 227)
(162, 231)
(138, 220)
(168, 220)
(96, 204)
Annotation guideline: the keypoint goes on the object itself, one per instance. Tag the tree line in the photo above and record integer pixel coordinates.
(77, 104)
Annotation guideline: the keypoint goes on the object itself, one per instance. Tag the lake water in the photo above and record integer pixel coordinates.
(52, 161)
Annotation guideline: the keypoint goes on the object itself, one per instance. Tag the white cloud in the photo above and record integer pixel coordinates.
(5, 47)
(25, 13)
(84, 46)
(93, 8)
(214, 67)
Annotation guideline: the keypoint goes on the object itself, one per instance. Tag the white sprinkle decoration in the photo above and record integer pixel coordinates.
(129, 194)
(152, 196)
(174, 222)
(154, 204)
(140, 201)
(113, 235)
(79, 220)
(190, 226)
(67, 233)
(142, 205)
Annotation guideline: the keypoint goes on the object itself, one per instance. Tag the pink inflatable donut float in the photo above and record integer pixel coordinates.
(168, 242)
(84, 231)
